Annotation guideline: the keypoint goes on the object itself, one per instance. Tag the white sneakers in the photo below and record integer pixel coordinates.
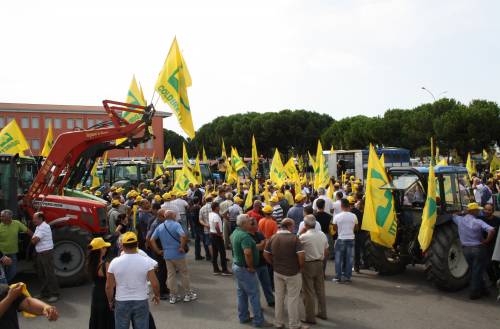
(190, 296)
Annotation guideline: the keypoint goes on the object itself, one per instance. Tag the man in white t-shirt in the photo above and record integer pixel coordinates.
(182, 206)
(42, 239)
(130, 273)
(217, 237)
(328, 201)
(336, 205)
(345, 224)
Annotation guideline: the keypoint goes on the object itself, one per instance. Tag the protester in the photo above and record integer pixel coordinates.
(337, 209)
(216, 235)
(494, 221)
(297, 211)
(203, 220)
(173, 240)
(101, 317)
(182, 206)
(161, 271)
(113, 215)
(129, 274)
(359, 235)
(315, 245)
(42, 240)
(268, 225)
(470, 231)
(198, 228)
(234, 211)
(325, 221)
(9, 241)
(277, 213)
(246, 257)
(284, 251)
(328, 202)
(256, 211)
(4, 261)
(13, 300)
(345, 223)
(224, 214)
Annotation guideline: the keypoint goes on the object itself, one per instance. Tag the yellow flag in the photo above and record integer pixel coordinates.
(277, 172)
(486, 156)
(197, 170)
(231, 174)
(494, 164)
(168, 161)
(185, 157)
(331, 150)
(321, 176)
(257, 188)
(298, 187)
(249, 198)
(330, 190)
(429, 214)
(105, 159)
(267, 195)
(183, 179)
(136, 97)
(443, 162)
(255, 158)
(312, 162)
(379, 217)
(12, 140)
(205, 159)
(158, 171)
(93, 173)
(236, 161)
(291, 170)
(49, 141)
(470, 167)
(300, 163)
(172, 84)
(223, 153)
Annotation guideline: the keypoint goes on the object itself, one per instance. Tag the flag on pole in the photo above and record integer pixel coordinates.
(223, 153)
(204, 155)
(470, 167)
(249, 198)
(236, 161)
(494, 164)
(277, 172)
(379, 217)
(185, 157)
(291, 170)
(12, 140)
(300, 163)
(486, 156)
(255, 158)
(321, 177)
(429, 214)
(49, 141)
(197, 170)
(172, 84)
(158, 171)
(169, 160)
(93, 173)
(135, 96)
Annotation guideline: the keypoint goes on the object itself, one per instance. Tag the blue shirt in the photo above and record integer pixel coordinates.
(170, 245)
(297, 214)
(470, 229)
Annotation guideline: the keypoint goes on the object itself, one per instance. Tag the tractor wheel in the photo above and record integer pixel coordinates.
(382, 259)
(70, 248)
(445, 263)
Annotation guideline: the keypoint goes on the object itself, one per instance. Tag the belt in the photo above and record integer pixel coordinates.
(44, 252)
(314, 260)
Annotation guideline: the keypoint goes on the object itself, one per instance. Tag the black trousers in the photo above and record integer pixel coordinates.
(218, 249)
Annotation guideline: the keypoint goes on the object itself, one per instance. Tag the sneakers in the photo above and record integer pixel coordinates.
(174, 299)
(190, 296)
(335, 280)
(226, 273)
(217, 272)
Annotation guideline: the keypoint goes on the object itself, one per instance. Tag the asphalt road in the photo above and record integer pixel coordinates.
(371, 301)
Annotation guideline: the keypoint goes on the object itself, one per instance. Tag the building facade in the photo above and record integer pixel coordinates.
(34, 121)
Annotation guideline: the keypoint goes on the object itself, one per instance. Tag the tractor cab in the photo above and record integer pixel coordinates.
(127, 173)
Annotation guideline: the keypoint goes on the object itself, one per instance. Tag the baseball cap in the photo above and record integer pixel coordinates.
(98, 243)
(299, 197)
(473, 206)
(129, 237)
(267, 209)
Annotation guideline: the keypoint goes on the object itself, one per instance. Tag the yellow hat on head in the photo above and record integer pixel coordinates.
(129, 237)
(245, 186)
(145, 190)
(280, 196)
(473, 206)
(157, 198)
(167, 196)
(98, 193)
(237, 199)
(358, 181)
(214, 194)
(352, 178)
(115, 202)
(138, 199)
(98, 243)
(120, 190)
(336, 184)
(351, 199)
(299, 197)
(267, 209)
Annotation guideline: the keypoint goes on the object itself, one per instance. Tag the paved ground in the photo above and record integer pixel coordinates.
(371, 301)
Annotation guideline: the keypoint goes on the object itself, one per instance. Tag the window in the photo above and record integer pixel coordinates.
(2, 122)
(79, 123)
(25, 123)
(35, 144)
(90, 123)
(70, 124)
(48, 122)
(35, 123)
(57, 123)
(98, 122)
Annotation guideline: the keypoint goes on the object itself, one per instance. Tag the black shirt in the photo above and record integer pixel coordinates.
(258, 238)
(324, 219)
(195, 211)
(359, 216)
(9, 319)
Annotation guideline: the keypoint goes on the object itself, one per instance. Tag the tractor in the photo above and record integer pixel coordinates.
(444, 261)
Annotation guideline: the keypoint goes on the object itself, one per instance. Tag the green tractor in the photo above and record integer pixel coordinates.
(444, 261)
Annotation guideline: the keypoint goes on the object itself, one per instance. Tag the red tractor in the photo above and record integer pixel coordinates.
(74, 221)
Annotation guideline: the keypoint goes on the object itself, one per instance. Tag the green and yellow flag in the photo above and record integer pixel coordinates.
(168, 161)
(255, 158)
(236, 161)
(204, 155)
(158, 170)
(300, 163)
(185, 157)
(135, 96)
(197, 170)
(471, 169)
(223, 153)
(486, 156)
(321, 176)
(93, 173)
(379, 217)
(49, 141)
(291, 170)
(249, 198)
(12, 140)
(429, 214)
(494, 164)
(442, 162)
(183, 178)
(277, 172)
(172, 84)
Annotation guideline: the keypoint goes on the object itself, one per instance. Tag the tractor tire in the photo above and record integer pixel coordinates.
(70, 249)
(378, 257)
(445, 263)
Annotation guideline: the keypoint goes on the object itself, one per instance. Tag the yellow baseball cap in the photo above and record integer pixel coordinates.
(129, 237)
(237, 199)
(98, 243)
(115, 202)
(167, 196)
(120, 190)
(351, 199)
(267, 209)
(138, 199)
(98, 193)
(157, 198)
(299, 197)
(473, 206)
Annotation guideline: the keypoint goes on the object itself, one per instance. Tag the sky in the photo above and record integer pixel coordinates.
(338, 57)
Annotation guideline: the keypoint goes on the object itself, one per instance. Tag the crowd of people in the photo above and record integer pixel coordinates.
(282, 244)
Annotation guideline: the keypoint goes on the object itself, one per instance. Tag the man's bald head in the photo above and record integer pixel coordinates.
(169, 214)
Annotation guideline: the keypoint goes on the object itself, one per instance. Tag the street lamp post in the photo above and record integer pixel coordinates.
(430, 93)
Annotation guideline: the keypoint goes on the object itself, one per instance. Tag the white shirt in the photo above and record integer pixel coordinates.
(314, 244)
(130, 271)
(317, 228)
(44, 233)
(336, 208)
(181, 205)
(477, 193)
(328, 204)
(172, 205)
(345, 222)
(213, 220)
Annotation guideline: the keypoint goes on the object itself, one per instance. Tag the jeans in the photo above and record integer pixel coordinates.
(477, 259)
(184, 223)
(265, 283)
(10, 271)
(135, 311)
(247, 288)
(3, 278)
(199, 239)
(343, 259)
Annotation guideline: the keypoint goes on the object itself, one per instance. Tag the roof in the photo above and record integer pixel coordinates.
(53, 108)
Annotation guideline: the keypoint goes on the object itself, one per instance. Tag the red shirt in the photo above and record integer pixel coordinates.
(255, 214)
